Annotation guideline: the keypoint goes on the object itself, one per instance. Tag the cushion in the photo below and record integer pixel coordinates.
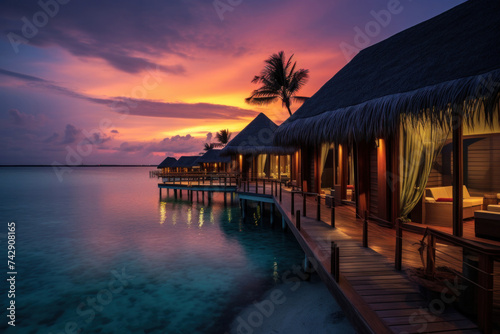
(498, 196)
(350, 186)
(466, 192)
(494, 208)
(430, 200)
(441, 192)
(444, 199)
(472, 201)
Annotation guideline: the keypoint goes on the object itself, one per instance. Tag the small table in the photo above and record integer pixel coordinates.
(489, 199)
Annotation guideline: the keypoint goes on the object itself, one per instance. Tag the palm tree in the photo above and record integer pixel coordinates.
(223, 136)
(208, 146)
(279, 81)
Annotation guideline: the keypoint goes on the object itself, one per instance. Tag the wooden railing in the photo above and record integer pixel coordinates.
(199, 179)
(486, 256)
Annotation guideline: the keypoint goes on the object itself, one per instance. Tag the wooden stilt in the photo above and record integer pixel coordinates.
(304, 204)
(318, 208)
(332, 214)
(297, 220)
(399, 245)
(365, 230)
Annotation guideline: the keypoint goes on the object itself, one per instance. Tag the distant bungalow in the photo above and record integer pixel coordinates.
(212, 161)
(187, 163)
(166, 165)
(410, 126)
(254, 155)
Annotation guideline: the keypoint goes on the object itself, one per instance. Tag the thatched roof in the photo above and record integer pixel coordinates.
(256, 138)
(187, 161)
(452, 59)
(213, 156)
(168, 162)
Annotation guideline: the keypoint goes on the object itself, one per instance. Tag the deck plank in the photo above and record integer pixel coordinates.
(385, 298)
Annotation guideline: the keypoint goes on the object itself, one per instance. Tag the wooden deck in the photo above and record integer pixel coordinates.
(376, 297)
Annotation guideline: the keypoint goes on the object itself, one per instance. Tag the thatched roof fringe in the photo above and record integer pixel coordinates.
(379, 118)
(256, 150)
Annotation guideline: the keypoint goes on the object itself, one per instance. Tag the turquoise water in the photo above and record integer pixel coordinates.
(101, 253)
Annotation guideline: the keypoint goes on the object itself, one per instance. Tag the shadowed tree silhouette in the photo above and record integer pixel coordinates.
(280, 81)
(223, 137)
(208, 146)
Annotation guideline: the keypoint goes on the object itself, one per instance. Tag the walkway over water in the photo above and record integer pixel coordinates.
(376, 297)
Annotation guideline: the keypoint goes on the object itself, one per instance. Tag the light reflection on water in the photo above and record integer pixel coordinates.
(73, 235)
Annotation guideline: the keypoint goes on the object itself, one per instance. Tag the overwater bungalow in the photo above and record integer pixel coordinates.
(409, 131)
(213, 162)
(187, 164)
(166, 165)
(410, 127)
(253, 154)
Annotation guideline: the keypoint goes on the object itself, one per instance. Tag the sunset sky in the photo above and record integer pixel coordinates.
(130, 82)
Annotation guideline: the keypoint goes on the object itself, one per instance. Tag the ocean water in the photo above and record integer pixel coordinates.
(99, 252)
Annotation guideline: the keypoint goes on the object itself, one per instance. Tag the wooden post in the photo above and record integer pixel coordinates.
(160, 194)
(431, 256)
(337, 263)
(264, 186)
(272, 214)
(485, 293)
(280, 192)
(175, 193)
(168, 192)
(203, 196)
(457, 172)
(332, 257)
(399, 245)
(180, 193)
(197, 196)
(232, 198)
(318, 208)
(293, 202)
(365, 230)
(225, 199)
(256, 186)
(332, 214)
(297, 220)
(276, 188)
(261, 209)
(304, 204)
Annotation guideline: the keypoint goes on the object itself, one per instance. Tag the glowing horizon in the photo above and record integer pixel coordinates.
(187, 67)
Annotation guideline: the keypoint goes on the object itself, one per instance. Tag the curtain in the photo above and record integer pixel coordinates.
(324, 154)
(420, 143)
(261, 164)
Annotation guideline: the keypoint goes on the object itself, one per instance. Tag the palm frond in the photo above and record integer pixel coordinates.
(279, 80)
